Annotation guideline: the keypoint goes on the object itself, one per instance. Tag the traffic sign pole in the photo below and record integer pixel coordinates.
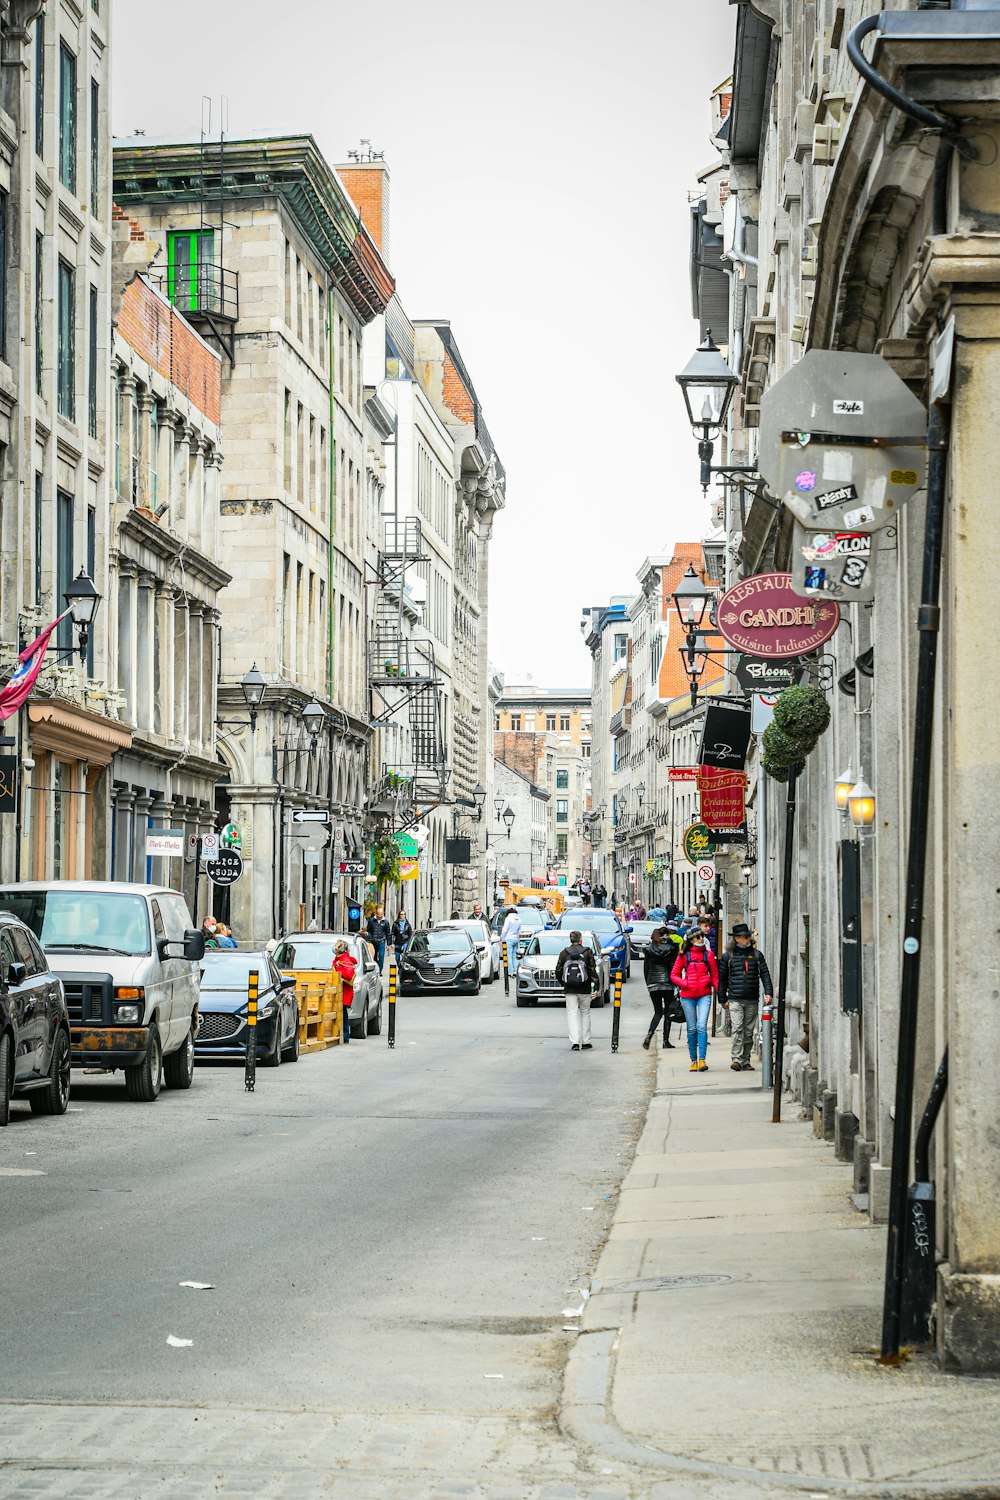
(393, 982)
(250, 1073)
(616, 1019)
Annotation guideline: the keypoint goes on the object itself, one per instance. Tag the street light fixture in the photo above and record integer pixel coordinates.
(861, 803)
(82, 602)
(314, 717)
(640, 792)
(508, 818)
(479, 798)
(498, 804)
(708, 386)
(842, 791)
(254, 687)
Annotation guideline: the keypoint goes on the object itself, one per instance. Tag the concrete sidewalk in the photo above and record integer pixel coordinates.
(735, 1318)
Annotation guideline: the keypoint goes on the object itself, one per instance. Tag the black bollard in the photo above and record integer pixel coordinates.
(392, 1005)
(616, 1019)
(251, 1068)
(506, 972)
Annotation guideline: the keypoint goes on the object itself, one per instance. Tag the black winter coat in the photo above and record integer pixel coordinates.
(379, 930)
(742, 971)
(400, 934)
(577, 950)
(657, 962)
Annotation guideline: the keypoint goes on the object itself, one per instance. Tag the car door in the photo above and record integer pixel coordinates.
(38, 1000)
(182, 975)
(17, 1004)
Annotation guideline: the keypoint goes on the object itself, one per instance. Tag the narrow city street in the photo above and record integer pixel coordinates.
(391, 1237)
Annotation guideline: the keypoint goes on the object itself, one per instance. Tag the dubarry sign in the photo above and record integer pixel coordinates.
(763, 617)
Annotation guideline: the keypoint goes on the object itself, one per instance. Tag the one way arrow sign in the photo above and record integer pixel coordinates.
(310, 817)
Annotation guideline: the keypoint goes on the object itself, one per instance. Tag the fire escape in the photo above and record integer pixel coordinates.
(403, 676)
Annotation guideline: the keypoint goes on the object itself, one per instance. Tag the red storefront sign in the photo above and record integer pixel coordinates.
(682, 773)
(763, 617)
(723, 797)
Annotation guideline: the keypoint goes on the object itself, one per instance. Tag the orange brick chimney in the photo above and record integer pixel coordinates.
(368, 184)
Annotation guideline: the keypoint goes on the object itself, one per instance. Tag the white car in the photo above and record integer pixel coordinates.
(487, 944)
(536, 971)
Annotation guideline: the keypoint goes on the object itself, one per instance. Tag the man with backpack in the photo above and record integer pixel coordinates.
(576, 971)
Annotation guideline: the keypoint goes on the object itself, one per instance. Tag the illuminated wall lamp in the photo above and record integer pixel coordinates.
(861, 804)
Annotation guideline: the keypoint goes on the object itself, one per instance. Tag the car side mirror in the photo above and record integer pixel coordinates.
(628, 929)
(192, 948)
(17, 973)
(287, 982)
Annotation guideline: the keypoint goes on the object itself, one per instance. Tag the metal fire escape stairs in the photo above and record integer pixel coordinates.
(402, 673)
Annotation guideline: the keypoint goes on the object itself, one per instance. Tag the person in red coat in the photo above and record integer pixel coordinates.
(696, 975)
(345, 966)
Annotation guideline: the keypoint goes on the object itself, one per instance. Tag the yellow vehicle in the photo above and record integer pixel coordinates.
(553, 896)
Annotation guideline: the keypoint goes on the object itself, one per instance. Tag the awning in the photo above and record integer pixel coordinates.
(76, 733)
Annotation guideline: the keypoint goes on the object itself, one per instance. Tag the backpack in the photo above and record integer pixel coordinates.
(576, 975)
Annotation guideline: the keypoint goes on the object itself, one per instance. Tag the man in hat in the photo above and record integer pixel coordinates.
(742, 971)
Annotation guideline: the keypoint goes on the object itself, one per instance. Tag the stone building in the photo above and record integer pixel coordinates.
(521, 855)
(606, 630)
(55, 427)
(283, 284)
(855, 226)
(553, 726)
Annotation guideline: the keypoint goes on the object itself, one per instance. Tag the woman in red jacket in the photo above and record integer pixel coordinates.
(696, 975)
(345, 966)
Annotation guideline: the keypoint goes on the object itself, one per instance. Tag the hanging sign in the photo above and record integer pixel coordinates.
(723, 798)
(765, 617)
(8, 783)
(756, 676)
(834, 564)
(682, 773)
(226, 869)
(164, 843)
(725, 738)
(698, 844)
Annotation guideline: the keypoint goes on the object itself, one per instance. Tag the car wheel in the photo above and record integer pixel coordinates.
(628, 972)
(273, 1058)
(53, 1099)
(142, 1082)
(375, 1025)
(178, 1068)
(6, 1076)
(291, 1053)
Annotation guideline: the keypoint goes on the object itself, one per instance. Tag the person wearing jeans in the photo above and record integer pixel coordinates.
(743, 972)
(696, 975)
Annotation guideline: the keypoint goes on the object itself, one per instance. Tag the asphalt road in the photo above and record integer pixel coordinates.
(384, 1230)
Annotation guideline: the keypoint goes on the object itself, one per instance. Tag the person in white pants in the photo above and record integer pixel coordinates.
(576, 971)
(509, 934)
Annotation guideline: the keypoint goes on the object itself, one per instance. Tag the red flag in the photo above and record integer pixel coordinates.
(29, 664)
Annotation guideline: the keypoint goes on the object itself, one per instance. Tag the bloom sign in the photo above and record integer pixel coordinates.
(765, 618)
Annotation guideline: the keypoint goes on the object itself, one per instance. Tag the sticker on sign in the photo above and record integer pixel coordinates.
(706, 872)
(352, 867)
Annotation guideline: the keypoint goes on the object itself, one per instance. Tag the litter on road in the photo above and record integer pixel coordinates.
(198, 1286)
(176, 1343)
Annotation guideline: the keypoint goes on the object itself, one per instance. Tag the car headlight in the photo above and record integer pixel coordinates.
(471, 963)
(264, 1012)
(127, 1015)
(404, 963)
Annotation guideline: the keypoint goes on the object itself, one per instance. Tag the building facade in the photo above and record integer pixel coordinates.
(557, 734)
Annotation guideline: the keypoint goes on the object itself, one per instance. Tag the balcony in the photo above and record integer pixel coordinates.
(208, 295)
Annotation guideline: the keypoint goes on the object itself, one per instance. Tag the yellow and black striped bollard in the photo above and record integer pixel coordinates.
(251, 1068)
(506, 970)
(392, 1004)
(616, 1020)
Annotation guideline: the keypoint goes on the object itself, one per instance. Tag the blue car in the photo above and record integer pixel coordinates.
(222, 1031)
(605, 923)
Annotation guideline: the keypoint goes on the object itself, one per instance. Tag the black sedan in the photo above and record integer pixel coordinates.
(34, 1025)
(222, 1030)
(442, 959)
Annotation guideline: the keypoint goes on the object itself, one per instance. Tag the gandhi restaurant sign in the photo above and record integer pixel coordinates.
(763, 617)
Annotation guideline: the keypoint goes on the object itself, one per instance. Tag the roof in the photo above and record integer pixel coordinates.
(529, 693)
(753, 77)
(109, 887)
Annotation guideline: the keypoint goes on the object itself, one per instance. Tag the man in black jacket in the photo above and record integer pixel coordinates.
(742, 971)
(378, 935)
(576, 971)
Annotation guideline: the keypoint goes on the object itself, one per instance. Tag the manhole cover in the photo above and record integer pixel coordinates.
(665, 1283)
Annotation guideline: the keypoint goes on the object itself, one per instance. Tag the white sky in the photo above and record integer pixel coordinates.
(541, 153)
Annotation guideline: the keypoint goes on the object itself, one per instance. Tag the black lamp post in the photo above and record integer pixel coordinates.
(83, 602)
(693, 600)
(479, 798)
(314, 717)
(253, 687)
(708, 386)
(508, 818)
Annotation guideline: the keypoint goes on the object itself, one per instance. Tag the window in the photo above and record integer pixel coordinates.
(529, 722)
(621, 646)
(37, 518)
(39, 309)
(562, 810)
(191, 268)
(585, 749)
(564, 723)
(95, 146)
(92, 571)
(550, 722)
(562, 781)
(134, 476)
(66, 383)
(3, 274)
(154, 455)
(562, 845)
(118, 433)
(40, 85)
(64, 561)
(496, 722)
(515, 722)
(92, 365)
(67, 118)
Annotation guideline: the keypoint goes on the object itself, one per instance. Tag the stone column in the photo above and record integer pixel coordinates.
(182, 645)
(145, 494)
(143, 803)
(163, 663)
(126, 386)
(124, 807)
(195, 677)
(145, 651)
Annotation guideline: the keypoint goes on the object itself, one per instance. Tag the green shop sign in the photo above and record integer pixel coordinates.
(698, 844)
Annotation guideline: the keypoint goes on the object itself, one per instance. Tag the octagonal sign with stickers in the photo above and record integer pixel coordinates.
(843, 441)
(834, 564)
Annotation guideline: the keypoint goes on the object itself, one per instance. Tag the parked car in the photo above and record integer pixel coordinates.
(34, 1025)
(487, 945)
(314, 953)
(638, 938)
(439, 960)
(536, 971)
(224, 1002)
(613, 936)
(128, 959)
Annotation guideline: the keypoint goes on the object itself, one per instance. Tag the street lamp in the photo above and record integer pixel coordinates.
(479, 798)
(842, 791)
(640, 792)
(508, 818)
(861, 803)
(498, 804)
(314, 717)
(82, 602)
(693, 600)
(708, 386)
(254, 687)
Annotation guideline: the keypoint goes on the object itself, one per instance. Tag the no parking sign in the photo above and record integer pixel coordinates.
(706, 872)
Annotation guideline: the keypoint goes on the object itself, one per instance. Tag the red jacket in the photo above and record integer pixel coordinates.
(695, 974)
(346, 966)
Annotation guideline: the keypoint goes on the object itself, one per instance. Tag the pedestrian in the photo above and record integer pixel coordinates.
(707, 925)
(224, 936)
(696, 975)
(345, 965)
(600, 895)
(576, 971)
(510, 932)
(379, 932)
(209, 929)
(477, 914)
(585, 891)
(742, 971)
(655, 914)
(671, 910)
(400, 934)
(657, 964)
(690, 921)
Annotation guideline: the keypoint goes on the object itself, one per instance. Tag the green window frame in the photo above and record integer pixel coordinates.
(40, 86)
(67, 117)
(66, 382)
(562, 781)
(39, 310)
(95, 147)
(191, 269)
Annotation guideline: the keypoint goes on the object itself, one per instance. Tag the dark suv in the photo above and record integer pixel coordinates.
(34, 1025)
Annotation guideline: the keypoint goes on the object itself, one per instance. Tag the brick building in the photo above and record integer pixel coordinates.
(545, 734)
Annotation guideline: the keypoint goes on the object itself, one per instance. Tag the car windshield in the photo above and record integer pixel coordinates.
(548, 943)
(229, 970)
(73, 921)
(440, 941)
(312, 952)
(474, 929)
(645, 929)
(532, 916)
(597, 920)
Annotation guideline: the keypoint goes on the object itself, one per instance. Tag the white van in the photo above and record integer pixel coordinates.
(128, 957)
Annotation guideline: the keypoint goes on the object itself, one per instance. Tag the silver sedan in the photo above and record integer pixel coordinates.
(536, 969)
(314, 951)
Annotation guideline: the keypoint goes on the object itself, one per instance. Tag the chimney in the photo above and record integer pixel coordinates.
(367, 182)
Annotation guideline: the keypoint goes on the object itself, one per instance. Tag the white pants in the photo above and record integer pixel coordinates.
(578, 1016)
